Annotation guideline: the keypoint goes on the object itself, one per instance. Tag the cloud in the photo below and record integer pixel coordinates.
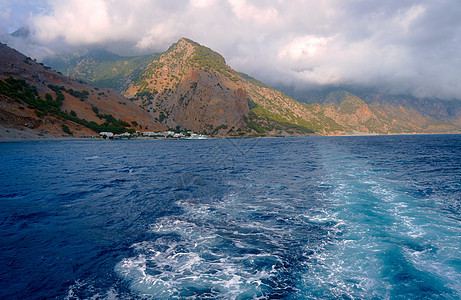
(246, 11)
(81, 22)
(202, 3)
(401, 46)
(304, 47)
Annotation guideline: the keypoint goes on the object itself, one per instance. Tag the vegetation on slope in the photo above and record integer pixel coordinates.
(102, 68)
(20, 91)
(207, 59)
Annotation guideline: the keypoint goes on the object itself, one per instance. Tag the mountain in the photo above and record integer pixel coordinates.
(101, 68)
(36, 101)
(437, 109)
(190, 86)
(21, 32)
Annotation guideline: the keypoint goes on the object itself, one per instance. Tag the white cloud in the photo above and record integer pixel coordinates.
(246, 11)
(202, 3)
(409, 16)
(161, 34)
(304, 47)
(80, 22)
(5, 13)
(407, 46)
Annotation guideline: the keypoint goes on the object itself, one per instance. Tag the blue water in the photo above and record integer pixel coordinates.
(295, 218)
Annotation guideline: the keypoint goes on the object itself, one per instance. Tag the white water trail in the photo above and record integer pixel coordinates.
(384, 236)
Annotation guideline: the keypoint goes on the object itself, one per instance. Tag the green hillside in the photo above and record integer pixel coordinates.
(101, 68)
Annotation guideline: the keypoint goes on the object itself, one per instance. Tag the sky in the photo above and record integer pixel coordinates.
(399, 46)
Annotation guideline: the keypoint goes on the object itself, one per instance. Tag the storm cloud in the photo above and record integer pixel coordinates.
(400, 46)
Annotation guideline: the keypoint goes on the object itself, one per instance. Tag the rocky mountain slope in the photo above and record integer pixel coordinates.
(447, 110)
(36, 101)
(191, 87)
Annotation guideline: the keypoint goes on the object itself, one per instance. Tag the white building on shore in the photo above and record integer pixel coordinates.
(172, 134)
(106, 134)
(125, 134)
(151, 134)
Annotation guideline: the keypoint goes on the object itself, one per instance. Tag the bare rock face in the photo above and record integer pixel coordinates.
(205, 101)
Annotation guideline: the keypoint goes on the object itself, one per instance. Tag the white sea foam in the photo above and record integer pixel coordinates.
(189, 260)
(92, 157)
(83, 290)
(187, 268)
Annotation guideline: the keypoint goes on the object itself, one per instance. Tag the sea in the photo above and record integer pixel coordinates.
(358, 217)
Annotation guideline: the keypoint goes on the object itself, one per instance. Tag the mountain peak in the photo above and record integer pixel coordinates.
(167, 70)
(184, 40)
(21, 32)
(197, 55)
(191, 86)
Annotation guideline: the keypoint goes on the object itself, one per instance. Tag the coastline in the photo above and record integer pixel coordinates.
(73, 138)
(44, 139)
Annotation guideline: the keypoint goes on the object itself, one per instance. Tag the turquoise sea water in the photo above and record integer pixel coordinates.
(374, 217)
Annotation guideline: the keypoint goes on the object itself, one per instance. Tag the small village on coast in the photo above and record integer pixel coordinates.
(168, 134)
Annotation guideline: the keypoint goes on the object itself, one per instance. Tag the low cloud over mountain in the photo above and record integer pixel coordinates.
(399, 46)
